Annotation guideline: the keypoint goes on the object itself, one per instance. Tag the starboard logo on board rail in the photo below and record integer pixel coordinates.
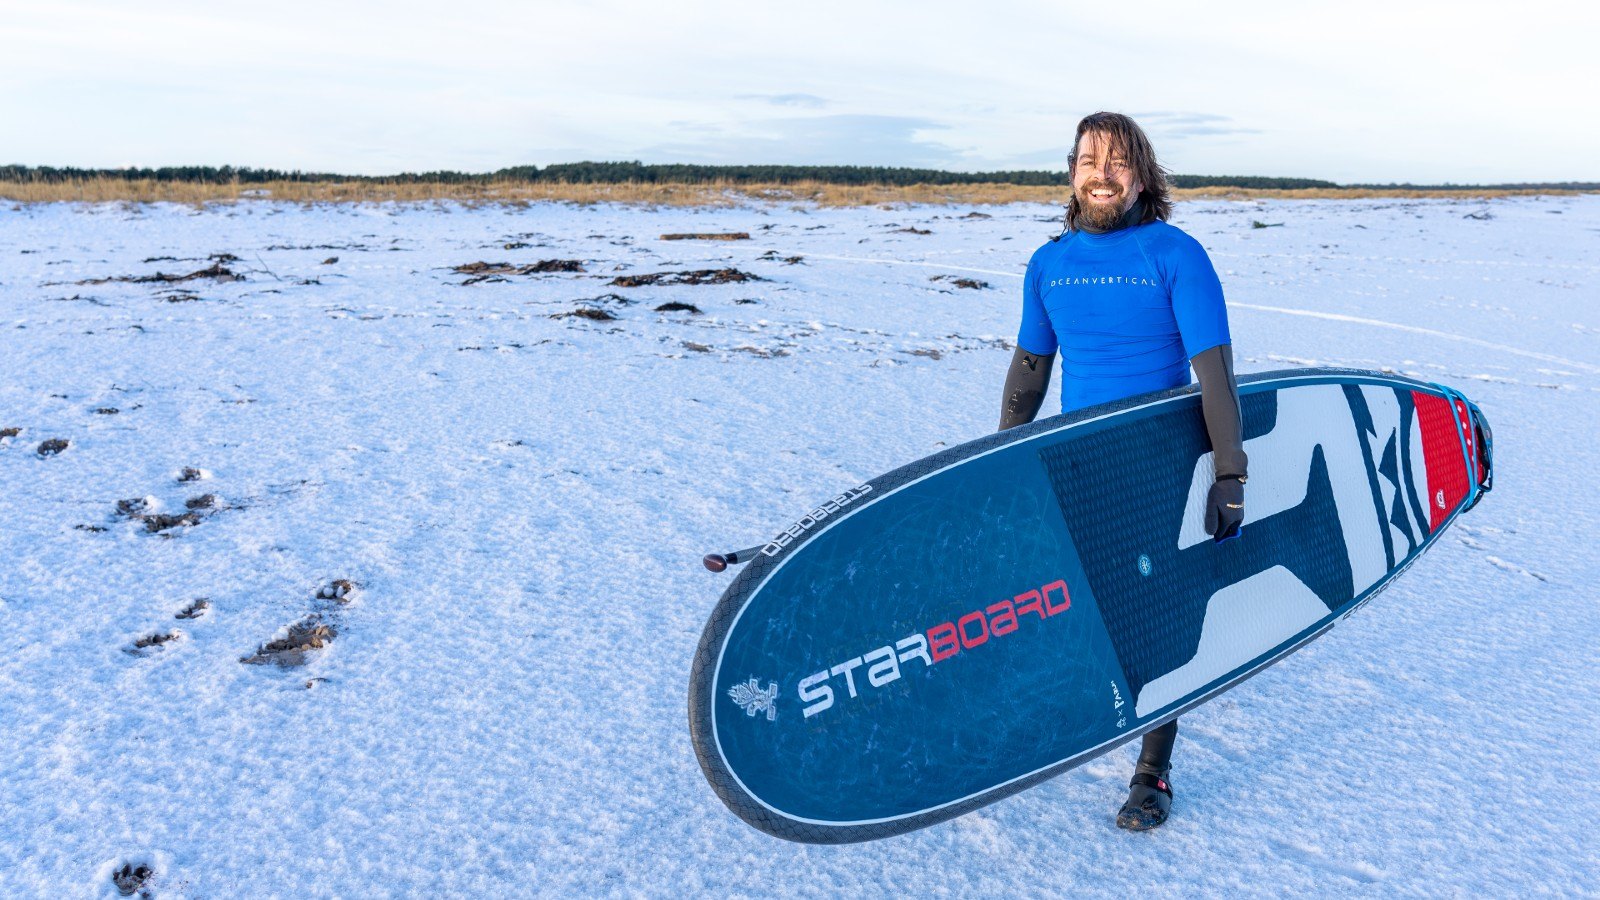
(812, 518)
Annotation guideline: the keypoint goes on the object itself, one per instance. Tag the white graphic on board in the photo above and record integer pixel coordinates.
(1280, 471)
(755, 698)
(1250, 617)
(1384, 406)
(1243, 621)
(1419, 476)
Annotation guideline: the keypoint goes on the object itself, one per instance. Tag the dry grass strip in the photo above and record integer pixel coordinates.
(115, 190)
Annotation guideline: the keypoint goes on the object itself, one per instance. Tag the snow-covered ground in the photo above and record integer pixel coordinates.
(521, 500)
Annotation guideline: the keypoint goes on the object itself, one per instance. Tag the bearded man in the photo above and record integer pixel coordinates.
(1131, 303)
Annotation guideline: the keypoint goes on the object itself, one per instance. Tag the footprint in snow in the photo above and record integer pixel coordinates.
(311, 633)
(1515, 569)
(131, 879)
(296, 646)
(1316, 858)
(152, 642)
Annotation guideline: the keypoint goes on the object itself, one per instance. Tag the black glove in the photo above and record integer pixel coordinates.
(1225, 508)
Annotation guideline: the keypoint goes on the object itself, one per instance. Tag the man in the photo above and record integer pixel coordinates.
(1131, 303)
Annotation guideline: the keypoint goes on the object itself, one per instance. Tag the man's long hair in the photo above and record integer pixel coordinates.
(1124, 134)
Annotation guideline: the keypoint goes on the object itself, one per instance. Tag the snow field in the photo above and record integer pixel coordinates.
(521, 502)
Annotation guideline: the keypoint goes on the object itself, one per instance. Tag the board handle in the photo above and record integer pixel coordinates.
(717, 562)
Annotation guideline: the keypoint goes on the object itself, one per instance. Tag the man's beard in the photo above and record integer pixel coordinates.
(1100, 216)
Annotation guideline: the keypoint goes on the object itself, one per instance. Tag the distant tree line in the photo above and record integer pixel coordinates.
(187, 174)
(1519, 186)
(625, 172)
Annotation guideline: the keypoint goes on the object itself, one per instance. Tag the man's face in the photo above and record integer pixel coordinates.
(1103, 181)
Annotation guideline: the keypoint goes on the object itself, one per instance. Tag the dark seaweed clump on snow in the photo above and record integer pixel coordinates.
(216, 270)
(587, 312)
(487, 271)
(675, 306)
(972, 284)
(698, 276)
(719, 236)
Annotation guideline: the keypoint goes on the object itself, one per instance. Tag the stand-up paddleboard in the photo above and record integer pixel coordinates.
(973, 623)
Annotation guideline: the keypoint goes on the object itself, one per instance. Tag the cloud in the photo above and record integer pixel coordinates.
(806, 101)
(1165, 127)
(861, 140)
(1190, 124)
(1052, 159)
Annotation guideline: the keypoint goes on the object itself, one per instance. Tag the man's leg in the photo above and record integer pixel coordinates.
(1150, 791)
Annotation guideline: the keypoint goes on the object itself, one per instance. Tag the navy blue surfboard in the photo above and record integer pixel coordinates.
(973, 623)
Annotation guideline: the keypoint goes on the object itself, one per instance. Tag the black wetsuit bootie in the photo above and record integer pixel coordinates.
(1149, 800)
(1150, 791)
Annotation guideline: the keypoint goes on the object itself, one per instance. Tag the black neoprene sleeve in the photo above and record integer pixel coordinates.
(1219, 399)
(1026, 382)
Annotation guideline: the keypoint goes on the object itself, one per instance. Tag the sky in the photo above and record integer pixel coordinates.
(1363, 92)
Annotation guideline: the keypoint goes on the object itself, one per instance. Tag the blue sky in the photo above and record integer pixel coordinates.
(1365, 91)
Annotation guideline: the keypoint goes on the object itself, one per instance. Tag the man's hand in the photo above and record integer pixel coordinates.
(1225, 508)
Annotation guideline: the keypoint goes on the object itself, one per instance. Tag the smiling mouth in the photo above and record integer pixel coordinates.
(1103, 194)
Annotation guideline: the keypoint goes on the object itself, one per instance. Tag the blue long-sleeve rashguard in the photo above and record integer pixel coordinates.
(1127, 310)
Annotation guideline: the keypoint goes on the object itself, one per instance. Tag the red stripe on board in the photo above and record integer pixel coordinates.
(1441, 451)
